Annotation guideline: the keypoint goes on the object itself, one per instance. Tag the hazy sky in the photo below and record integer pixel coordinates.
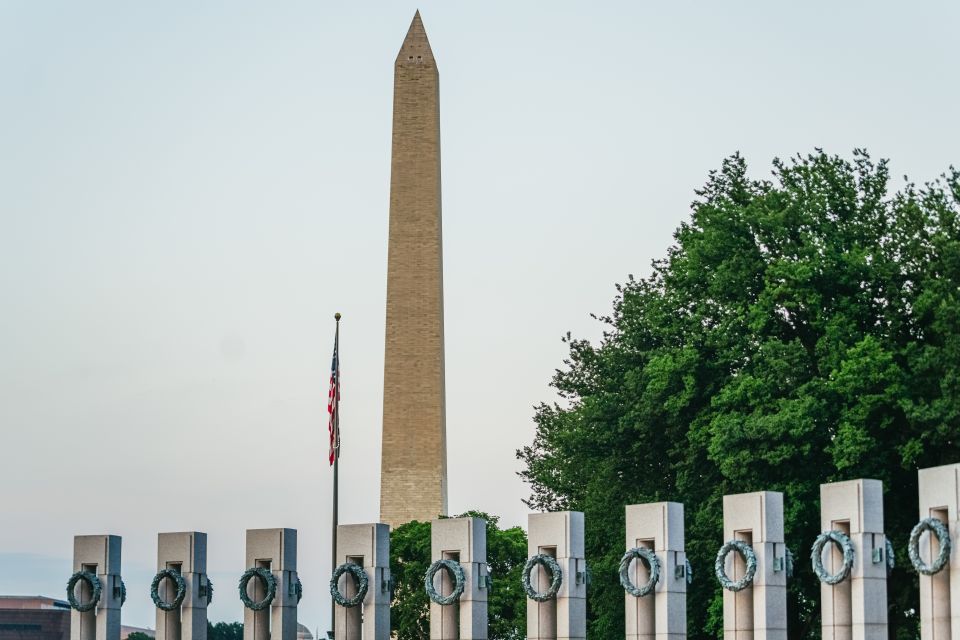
(189, 191)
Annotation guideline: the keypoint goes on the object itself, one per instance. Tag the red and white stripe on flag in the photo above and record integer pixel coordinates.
(333, 404)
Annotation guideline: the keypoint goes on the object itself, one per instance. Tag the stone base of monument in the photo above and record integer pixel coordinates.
(99, 556)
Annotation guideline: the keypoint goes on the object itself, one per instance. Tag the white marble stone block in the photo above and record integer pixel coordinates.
(465, 541)
(662, 615)
(366, 545)
(855, 609)
(275, 550)
(186, 553)
(758, 612)
(940, 593)
(100, 555)
(558, 534)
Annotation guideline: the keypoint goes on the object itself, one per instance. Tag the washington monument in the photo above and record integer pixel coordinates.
(413, 472)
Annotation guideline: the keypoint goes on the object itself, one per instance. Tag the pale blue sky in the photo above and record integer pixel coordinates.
(189, 191)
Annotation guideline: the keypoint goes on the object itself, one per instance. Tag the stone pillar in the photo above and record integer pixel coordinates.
(99, 555)
(186, 553)
(940, 593)
(558, 534)
(855, 609)
(465, 541)
(276, 550)
(366, 545)
(758, 612)
(662, 615)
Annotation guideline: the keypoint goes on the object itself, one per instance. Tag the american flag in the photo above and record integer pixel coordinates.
(333, 400)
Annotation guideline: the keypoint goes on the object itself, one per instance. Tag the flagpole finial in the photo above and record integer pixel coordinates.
(337, 316)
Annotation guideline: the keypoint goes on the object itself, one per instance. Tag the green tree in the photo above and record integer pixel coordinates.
(410, 559)
(801, 330)
(138, 635)
(225, 631)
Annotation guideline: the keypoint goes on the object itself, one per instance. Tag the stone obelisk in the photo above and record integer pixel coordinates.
(413, 481)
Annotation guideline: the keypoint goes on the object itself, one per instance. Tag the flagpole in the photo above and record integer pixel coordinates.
(336, 481)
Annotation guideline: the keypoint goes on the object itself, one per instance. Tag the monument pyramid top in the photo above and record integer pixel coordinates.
(416, 47)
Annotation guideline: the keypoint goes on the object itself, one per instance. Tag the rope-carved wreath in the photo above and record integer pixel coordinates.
(123, 592)
(840, 539)
(459, 580)
(155, 589)
(95, 587)
(891, 560)
(652, 560)
(556, 577)
(209, 590)
(359, 576)
(937, 528)
(298, 589)
(269, 585)
(749, 557)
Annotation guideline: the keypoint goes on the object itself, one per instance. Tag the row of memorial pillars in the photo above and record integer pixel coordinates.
(276, 551)
(940, 593)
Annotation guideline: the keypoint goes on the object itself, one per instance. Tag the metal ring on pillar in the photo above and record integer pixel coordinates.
(843, 541)
(359, 575)
(155, 589)
(652, 560)
(95, 587)
(937, 528)
(269, 584)
(459, 581)
(749, 557)
(556, 577)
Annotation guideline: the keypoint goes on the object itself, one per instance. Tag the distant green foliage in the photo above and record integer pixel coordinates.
(410, 559)
(225, 631)
(138, 635)
(803, 329)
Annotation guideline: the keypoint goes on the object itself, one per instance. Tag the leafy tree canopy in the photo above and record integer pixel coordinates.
(802, 329)
(225, 631)
(410, 559)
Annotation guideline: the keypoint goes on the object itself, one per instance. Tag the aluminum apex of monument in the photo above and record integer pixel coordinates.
(413, 471)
